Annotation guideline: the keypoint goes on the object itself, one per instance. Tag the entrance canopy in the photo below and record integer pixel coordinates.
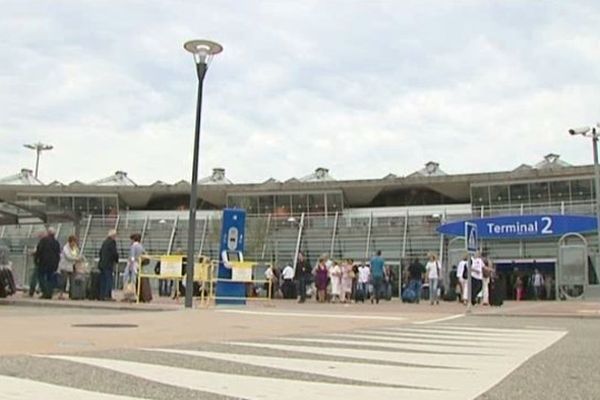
(19, 214)
(523, 226)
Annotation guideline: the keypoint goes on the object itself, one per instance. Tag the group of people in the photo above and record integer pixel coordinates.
(57, 268)
(333, 281)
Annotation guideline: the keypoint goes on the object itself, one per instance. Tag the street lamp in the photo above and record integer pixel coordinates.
(594, 133)
(38, 147)
(203, 51)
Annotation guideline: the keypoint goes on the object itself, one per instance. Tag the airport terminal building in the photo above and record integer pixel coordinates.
(404, 216)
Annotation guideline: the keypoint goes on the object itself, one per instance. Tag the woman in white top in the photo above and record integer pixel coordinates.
(69, 257)
(336, 282)
(434, 273)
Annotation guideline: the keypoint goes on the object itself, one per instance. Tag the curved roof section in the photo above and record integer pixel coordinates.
(217, 178)
(25, 177)
(320, 175)
(432, 168)
(120, 178)
(551, 160)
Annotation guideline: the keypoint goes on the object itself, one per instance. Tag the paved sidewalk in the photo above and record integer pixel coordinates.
(576, 309)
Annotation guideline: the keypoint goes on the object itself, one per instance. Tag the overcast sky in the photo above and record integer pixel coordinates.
(365, 88)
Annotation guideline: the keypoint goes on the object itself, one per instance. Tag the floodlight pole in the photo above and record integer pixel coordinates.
(38, 147)
(595, 134)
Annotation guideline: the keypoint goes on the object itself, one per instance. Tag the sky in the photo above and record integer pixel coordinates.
(364, 88)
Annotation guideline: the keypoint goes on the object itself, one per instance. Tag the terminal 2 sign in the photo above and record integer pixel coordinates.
(520, 226)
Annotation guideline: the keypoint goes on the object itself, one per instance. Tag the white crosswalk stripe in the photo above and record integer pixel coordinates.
(425, 362)
(24, 389)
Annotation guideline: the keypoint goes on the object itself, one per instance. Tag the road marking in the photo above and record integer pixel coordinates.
(12, 388)
(407, 369)
(433, 348)
(314, 315)
(458, 343)
(466, 333)
(431, 321)
(413, 358)
(242, 386)
(465, 338)
(383, 374)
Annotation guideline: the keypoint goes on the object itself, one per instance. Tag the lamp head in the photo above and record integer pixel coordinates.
(203, 50)
(579, 131)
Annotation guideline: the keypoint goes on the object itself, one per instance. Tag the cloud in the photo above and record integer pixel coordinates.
(364, 88)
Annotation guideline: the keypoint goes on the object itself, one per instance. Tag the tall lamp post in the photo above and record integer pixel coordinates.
(594, 133)
(203, 51)
(38, 147)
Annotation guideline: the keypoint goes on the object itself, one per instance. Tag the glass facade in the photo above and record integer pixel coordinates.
(288, 204)
(532, 193)
(96, 205)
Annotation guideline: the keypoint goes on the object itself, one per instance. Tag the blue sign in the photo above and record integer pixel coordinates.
(471, 240)
(232, 239)
(523, 226)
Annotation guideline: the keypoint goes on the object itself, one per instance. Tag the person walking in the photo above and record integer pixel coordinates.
(69, 257)
(321, 277)
(336, 282)
(364, 276)
(302, 276)
(476, 277)
(416, 270)
(462, 273)
(47, 256)
(133, 264)
(287, 287)
(538, 283)
(434, 273)
(35, 274)
(486, 280)
(347, 280)
(377, 267)
(109, 257)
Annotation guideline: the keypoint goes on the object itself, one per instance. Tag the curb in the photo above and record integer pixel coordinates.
(88, 306)
(538, 315)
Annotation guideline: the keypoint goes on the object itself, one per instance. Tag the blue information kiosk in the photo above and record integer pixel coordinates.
(231, 249)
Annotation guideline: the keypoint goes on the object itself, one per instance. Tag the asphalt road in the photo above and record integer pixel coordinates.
(473, 357)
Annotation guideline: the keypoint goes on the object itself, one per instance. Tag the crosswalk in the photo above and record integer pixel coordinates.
(417, 362)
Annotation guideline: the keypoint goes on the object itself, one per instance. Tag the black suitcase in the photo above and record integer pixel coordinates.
(78, 288)
(93, 289)
(496, 293)
(7, 283)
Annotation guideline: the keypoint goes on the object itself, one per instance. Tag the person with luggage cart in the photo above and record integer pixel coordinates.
(69, 258)
(412, 293)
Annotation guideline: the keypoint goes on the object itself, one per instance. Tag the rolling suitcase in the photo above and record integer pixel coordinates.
(145, 294)
(496, 293)
(409, 295)
(93, 289)
(7, 281)
(77, 290)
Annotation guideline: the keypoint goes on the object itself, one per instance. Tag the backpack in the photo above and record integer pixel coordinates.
(465, 273)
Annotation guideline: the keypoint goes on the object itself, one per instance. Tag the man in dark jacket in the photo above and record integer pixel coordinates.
(47, 256)
(109, 257)
(303, 273)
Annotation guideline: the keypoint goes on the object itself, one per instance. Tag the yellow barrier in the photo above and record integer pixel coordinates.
(171, 269)
(206, 274)
(241, 272)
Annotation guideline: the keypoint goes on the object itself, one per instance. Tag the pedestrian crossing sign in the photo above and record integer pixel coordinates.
(471, 238)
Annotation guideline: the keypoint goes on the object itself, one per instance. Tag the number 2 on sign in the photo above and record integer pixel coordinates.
(547, 229)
